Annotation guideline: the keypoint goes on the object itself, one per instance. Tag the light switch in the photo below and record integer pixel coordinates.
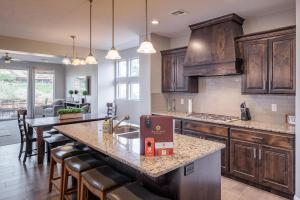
(182, 101)
(274, 107)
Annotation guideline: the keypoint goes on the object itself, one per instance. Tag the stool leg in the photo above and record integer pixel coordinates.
(62, 179)
(82, 191)
(78, 187)
(65, 183)
(52, 165)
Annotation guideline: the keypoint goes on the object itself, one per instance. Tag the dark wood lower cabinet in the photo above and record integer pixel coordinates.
(243, 160)
(263, 158)
(224, 152)
(276, 168)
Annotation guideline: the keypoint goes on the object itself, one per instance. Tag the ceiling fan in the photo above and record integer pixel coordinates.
(7, 59)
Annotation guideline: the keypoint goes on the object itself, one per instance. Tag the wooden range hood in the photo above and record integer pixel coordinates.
(211, 50)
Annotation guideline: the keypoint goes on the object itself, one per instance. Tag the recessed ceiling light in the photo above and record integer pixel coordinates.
(155, 22)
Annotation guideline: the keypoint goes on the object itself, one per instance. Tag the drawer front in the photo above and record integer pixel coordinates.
(206, 128)
(263, 137)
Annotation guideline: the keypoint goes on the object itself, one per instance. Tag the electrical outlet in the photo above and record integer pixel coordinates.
(274, 107)
(182, 101)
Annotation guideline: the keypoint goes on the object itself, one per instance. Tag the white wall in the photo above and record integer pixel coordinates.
(298, 103)
(160, 43)
(106, 87)
(89, 70)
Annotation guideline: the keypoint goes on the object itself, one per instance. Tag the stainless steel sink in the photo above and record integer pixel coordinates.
(125, 129)
(130, 135)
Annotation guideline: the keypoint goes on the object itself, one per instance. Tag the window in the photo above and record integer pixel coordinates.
(121, 91)
(134, 67)
(122, 69)
(134, 91)
(127, 79)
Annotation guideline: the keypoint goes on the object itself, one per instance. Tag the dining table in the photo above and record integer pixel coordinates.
(39, 125)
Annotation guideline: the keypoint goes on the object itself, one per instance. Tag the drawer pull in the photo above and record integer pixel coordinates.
(254, 153)
(259, 154)
(257, 138)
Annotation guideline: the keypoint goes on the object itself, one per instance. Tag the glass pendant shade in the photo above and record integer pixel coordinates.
(82, 62)
(66, 61)
(113, 54)
(146, 47)
(76, 61)
(91, 60)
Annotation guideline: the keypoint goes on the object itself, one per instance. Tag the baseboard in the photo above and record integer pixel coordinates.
(296, 198)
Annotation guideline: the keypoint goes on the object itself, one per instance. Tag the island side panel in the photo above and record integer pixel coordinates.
(203, 183)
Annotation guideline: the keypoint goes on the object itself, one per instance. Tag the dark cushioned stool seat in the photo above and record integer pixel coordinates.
(83, 162)
(57, 138)
(133, 191)
(104, 178)
(65, 151)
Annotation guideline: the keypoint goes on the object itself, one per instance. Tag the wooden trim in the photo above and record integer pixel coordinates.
(266, 34)
(226, 18)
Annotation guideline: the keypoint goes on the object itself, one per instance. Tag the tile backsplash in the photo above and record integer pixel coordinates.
(222, 95)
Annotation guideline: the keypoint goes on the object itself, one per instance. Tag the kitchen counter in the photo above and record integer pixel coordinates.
(186, 149)
(280, 128)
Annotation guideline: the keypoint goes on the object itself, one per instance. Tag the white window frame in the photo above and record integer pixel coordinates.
(126, 80)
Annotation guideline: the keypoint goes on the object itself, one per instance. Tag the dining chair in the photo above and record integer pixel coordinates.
(27, 137)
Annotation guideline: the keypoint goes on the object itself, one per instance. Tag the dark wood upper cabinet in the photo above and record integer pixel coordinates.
(269, 61)
(282, 64)
(173, 79)
(255, 75)
(168, 73)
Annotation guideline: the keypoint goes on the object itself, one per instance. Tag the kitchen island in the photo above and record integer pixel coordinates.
(192, 172)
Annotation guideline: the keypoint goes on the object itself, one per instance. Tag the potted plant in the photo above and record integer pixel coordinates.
(69, 113)
(71, 92)
(84, 93)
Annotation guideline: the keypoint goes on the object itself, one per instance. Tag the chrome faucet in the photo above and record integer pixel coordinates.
(119, 122)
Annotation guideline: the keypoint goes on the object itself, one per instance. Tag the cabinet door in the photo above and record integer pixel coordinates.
(168, 73)
(255, 67)
(224, 152)
(181, 82)
(243, 160)
(276, 168)
(282, 65)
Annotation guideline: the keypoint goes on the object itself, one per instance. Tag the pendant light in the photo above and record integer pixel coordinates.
(75, 59)
(66, 61)
(113, 53)
(90, 59)
(146, 46)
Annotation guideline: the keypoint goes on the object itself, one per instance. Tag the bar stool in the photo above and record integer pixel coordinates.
(132, 191)
(54, 141)
(101, 180)
(58, 155)
(74, 166)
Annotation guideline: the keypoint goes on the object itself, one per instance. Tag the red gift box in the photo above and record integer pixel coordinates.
(161, 129)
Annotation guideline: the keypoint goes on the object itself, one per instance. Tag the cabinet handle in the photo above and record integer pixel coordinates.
(259, 154)
(254, 153)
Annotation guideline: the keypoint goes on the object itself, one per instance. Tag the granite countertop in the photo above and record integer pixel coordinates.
(186, 148)
(280, 128)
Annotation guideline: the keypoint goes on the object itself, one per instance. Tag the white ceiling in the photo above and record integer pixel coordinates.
(54, 20)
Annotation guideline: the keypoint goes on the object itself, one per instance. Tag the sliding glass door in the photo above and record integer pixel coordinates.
(13, 92)
(43, 91)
